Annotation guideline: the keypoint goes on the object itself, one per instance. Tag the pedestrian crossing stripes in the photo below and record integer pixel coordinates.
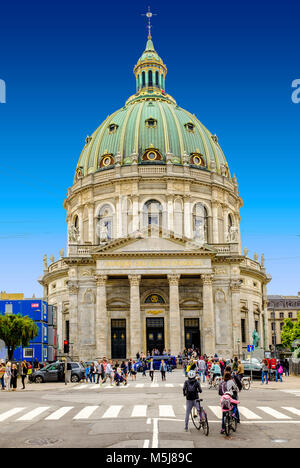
(98, 412)
(292, 392)
(85, 386)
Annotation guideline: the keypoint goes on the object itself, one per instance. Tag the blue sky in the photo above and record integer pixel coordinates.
(67, 65)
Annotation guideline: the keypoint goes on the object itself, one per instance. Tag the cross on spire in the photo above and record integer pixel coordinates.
(149, 15)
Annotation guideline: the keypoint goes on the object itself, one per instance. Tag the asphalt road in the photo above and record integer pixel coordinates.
(144, 415)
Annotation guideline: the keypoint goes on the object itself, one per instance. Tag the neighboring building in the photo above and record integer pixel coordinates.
(280, 308)
(41, 347)
(153, 237)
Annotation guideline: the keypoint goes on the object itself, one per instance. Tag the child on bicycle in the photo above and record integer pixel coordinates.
(228, 391)
(191, 390)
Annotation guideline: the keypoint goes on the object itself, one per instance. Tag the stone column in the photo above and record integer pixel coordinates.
(135, 213)
(170, 214)
(119, 217)
(188, 229)
(91, 223)
(73, 317)
(80, 216)
(208, 322)
(236, 316)
(215, 223)
(135, 316)
(174, 315)
(102, 325)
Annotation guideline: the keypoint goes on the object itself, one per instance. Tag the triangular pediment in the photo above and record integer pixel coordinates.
(152, 241)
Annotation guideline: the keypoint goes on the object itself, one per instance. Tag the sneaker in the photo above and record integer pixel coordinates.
(222, 431)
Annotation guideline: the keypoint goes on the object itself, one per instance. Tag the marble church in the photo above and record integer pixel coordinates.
(154, 257)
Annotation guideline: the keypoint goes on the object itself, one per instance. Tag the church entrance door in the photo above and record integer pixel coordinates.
(118, 339)
(155, 332)
(192, 334)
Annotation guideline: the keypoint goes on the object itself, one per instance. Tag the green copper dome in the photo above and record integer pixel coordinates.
(151, 129)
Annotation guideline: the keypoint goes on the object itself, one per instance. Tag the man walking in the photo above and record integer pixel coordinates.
(151, 369)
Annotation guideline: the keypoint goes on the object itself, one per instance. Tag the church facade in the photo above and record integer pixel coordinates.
(154, 257)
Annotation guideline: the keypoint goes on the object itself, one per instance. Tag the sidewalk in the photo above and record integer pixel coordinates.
(288, 383)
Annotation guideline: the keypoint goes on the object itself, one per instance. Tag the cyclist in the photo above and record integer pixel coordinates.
(230, 387)
(191, 390)
(215, 370)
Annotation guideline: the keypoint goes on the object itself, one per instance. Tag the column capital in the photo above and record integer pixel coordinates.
(173, 279)
(73, 287)
(235, 286)
(207, 278)
(101, 280)
(134, 280)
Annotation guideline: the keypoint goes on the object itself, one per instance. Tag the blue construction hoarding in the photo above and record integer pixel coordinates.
(37, 310)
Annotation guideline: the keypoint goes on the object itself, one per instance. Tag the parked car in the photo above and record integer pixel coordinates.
(253, 364)
(56, 372)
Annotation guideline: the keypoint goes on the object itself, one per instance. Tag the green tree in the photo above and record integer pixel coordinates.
(296, 329)
(287, 333)
(16, 330)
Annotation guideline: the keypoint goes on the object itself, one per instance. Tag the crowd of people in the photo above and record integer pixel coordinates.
(117, 373)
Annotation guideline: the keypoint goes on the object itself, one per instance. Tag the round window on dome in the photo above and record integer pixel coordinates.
(151, 156)
(197, 160)
(106, 161)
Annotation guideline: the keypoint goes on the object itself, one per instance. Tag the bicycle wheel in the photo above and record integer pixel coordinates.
(195, 418)
(204, 422)
(233, 423)
(246, 384)
(227, 423)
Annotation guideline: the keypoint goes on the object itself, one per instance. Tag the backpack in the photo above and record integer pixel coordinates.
(222, 388)
(226, 403)
(192, 389)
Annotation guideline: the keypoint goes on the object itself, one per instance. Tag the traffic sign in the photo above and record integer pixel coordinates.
(250, 348)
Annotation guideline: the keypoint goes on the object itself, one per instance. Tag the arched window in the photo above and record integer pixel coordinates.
(200, 223)
(157, 78)
(150, 78)
(105, 224)
(76, 222)
(143, 79)
(153, 213)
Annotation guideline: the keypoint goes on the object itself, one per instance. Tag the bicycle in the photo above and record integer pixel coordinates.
(214, 383)
(230, 423)
(199, 418)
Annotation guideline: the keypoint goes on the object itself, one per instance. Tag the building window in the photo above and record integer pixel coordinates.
(190, 127)
(290, 315)
(200, 223)
(243, 330)
(153, 213)
(8, 309)
(28, 353)
(112, 128)
(272, 315)
(281, 326)
(150, 78)
(281, 315)
(273, 326)
(151, 123)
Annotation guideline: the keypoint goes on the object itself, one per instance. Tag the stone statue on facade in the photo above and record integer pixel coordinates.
(199, 233)
(103, 233)
(233, 234)
(74, 236)
(45, 262)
